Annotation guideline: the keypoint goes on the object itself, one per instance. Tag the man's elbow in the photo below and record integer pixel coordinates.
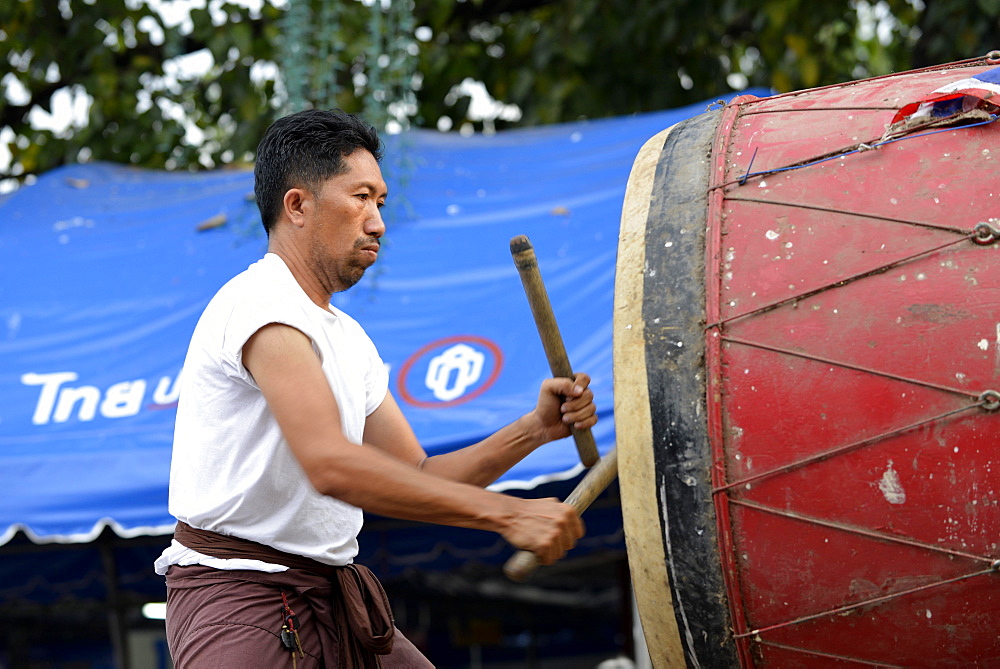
(340, 476)
(328, 465)
(330, 481)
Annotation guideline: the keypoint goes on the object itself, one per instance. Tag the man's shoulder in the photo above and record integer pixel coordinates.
(267, 271)
(259, 283)
(249, 292)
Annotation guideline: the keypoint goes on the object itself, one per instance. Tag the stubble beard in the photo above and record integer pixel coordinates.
(338, 275)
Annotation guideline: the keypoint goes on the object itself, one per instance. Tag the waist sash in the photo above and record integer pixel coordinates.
(362, 607)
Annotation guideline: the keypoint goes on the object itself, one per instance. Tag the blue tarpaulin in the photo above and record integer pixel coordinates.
(107, 268)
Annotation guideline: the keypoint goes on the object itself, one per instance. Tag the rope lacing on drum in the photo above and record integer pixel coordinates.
(830, 656)
(988, 400)
(993, 564)
(841, 450)
(868, 602)
(871, 534)
(975, 234)
(841, 153)
(983, 229)
(726, 493)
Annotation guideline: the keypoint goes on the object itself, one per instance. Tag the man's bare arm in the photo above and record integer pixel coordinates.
(288, 372)
(561, 403)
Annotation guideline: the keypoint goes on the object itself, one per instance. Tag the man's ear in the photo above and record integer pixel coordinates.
(294, 205)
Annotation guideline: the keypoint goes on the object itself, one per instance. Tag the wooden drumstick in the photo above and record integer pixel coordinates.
(527, 266)
(523, 564)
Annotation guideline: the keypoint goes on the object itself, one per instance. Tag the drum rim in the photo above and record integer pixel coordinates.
(633, 436)
(675, 435)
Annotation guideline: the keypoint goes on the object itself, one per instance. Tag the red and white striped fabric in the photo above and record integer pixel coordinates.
(981, 91)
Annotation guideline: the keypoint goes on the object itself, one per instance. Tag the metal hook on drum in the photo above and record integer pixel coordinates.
(993, 56)
(990, 400)
(986, 232)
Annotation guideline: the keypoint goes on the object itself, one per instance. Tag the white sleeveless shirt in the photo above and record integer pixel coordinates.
(232, 471)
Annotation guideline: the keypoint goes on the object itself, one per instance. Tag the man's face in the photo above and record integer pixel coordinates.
(347, 223)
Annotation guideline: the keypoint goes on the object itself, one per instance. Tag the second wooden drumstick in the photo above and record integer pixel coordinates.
(523, 564)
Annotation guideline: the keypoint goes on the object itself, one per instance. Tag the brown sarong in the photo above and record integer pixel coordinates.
(233, 618)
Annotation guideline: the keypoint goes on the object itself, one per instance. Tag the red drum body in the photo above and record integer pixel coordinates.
(807, 380)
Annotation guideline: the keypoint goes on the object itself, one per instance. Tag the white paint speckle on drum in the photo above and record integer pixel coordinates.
(891, 487)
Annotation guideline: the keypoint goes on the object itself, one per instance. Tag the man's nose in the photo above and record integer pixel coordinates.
(375, 226)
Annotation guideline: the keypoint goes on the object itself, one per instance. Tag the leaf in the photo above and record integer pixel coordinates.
(241, 37)
(810, 70)
(798, 44)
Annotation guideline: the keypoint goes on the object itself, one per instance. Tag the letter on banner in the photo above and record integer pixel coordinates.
(50, 388)
(123, 399)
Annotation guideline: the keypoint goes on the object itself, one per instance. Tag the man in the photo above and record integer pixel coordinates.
(286, 431)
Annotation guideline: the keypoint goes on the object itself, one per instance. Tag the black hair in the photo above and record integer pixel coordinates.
(303, 150)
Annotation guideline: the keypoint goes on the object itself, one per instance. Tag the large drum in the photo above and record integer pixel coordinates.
(807, 377)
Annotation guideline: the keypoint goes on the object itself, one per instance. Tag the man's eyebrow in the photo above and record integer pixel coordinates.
(371, 187)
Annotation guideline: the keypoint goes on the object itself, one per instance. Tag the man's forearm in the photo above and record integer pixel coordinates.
(484, 462)
(379, 483)
(365, 477)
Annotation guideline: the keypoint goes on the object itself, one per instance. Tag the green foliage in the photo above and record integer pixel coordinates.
(115, 53)
(556, 60)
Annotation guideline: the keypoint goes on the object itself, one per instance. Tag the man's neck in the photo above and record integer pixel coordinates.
(301, 270)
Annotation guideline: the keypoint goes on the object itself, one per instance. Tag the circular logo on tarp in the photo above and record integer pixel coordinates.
(450, 371)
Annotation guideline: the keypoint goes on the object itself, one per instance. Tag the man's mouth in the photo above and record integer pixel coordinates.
(371, 247)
